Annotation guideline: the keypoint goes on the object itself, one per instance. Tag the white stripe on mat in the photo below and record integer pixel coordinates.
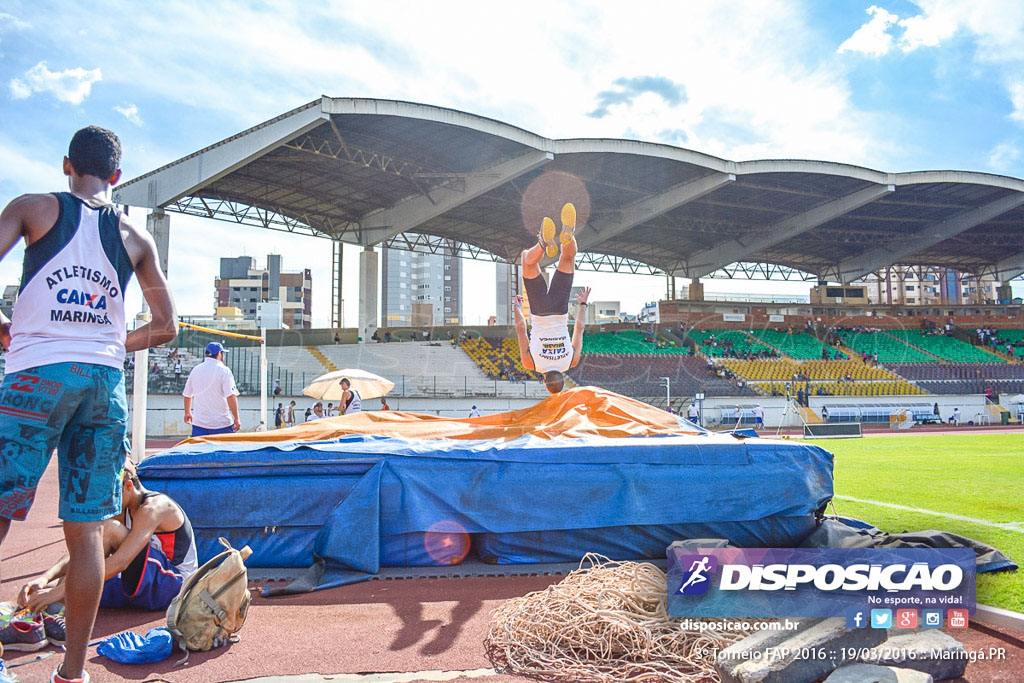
(1010, 526)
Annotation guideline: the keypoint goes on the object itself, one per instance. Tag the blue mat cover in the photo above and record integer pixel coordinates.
(347, 507)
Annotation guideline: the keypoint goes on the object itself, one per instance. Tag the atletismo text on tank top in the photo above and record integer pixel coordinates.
(71, 304)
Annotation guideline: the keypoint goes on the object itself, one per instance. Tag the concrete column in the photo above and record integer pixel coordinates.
(696, 290)
(158, 224)
(368, 266)
(504, 289)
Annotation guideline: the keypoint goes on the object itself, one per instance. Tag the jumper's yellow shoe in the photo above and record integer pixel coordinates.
(568, 223)
(547, 237)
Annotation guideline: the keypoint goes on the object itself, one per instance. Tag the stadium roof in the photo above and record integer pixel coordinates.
(420, 177)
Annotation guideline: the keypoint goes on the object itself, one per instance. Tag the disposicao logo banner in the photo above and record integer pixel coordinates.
(816, 582)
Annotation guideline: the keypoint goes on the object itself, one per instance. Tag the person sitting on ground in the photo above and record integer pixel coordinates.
(350, 400)
(149, 548)
(549, 350)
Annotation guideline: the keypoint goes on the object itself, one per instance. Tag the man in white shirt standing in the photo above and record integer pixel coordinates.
(211, 398)
(693, 414)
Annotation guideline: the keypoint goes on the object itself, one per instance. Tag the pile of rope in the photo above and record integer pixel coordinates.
(606, 621)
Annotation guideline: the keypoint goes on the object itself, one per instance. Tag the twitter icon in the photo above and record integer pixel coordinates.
(881, 618)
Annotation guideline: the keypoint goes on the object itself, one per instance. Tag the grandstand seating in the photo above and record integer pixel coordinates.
(945, 347)
(945, 371)
(784, 369)
(494, 356)
(626, 341)
(888, 349)
(972, 386)
(639, 375)
(735, 340)
(892, 387)
(796, 345)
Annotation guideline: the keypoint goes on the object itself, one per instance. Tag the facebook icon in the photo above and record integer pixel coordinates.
(856, 618)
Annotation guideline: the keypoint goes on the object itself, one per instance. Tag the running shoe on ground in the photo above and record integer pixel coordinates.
(23, 636)
(53, 626)
(57, 678)
(568, 223)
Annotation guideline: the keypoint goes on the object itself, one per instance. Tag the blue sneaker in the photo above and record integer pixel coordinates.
(23, 636)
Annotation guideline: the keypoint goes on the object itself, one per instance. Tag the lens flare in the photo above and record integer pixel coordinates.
(446, 542)
(547, 195)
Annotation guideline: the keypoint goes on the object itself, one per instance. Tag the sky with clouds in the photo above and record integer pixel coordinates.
(897, 86)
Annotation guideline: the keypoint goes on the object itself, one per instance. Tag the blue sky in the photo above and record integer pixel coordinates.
(891, 85)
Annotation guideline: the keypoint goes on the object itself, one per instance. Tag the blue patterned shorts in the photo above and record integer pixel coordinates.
(80, 410)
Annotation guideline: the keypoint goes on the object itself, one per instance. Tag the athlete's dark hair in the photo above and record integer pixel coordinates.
(95, 151)
(554, 381)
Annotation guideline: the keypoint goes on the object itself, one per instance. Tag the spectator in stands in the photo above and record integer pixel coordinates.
(277, 387)
(549, 349)
(177, 369)
(210, 389)
(279, 416)
(350, 400)
(824, 353)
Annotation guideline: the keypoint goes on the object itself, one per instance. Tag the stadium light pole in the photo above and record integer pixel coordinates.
(667, 383)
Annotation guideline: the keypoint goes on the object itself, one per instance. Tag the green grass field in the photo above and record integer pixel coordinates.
(976, 476)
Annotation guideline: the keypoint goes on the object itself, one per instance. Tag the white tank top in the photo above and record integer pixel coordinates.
(355, 404)
(71, 305)
(550, 344)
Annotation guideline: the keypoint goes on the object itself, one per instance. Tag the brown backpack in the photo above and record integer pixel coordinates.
(212, 603)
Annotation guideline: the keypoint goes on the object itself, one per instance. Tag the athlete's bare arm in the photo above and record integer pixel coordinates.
(581, 322)
(156, 514)
(30, 216)
(163, 326)
(524, 341)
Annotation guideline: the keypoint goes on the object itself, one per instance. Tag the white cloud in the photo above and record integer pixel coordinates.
(1003, 156)
(9, 21)
(873, 38)
(71, 85)
(130, 112)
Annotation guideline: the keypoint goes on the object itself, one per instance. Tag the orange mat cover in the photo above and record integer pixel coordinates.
(583, 411)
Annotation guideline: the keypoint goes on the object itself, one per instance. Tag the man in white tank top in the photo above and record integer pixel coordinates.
(66, 342)
(548, 348)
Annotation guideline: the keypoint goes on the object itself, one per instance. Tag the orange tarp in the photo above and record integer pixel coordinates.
(583, 411)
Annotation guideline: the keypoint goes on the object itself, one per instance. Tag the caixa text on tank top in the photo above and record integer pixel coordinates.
(78, 305)
(553, 348)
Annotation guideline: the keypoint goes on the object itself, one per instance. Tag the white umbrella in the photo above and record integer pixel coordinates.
(328, 387)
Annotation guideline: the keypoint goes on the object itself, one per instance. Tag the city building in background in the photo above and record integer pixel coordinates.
(10, 296)
(504, 289)
(244, 286)
(917, 286)
(420, 290)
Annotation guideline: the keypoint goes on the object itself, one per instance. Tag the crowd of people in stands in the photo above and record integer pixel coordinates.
(729, 350)
(990, 337)
(716, 369)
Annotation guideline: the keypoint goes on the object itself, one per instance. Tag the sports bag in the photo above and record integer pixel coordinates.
(212, 603)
